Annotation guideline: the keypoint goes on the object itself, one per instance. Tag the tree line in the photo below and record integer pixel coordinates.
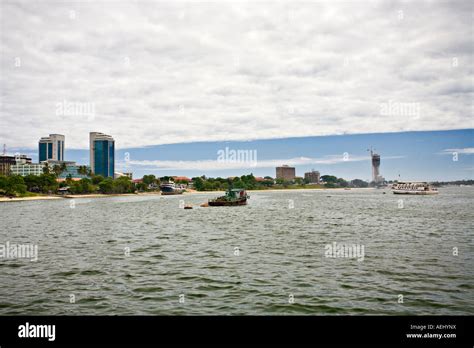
(17, 185)
(249, 182)
(46, 183)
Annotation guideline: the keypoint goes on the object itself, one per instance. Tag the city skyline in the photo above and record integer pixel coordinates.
(412, 155)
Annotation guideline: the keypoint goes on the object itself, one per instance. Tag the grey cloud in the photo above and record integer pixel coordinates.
(160, 72)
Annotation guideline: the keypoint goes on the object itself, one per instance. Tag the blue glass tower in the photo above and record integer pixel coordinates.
(102, 154)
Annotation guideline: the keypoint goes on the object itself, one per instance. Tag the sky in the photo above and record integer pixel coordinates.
(422, 156)
(157, 73)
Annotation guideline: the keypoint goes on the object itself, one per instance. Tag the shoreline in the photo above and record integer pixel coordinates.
(193, 192)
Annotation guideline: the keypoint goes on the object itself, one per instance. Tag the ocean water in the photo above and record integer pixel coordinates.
(145, 255)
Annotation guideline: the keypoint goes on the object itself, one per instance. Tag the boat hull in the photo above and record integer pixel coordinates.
(227, 203)
(419, 193)
(170, 193)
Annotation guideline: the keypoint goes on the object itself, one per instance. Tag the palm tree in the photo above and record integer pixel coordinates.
(83, 170)
(57, 169)
(46, 168)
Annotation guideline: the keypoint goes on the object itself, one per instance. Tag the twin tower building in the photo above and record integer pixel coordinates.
(102, 152)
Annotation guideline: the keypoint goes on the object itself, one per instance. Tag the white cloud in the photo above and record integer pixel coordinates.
(464, 151)
(161, 72)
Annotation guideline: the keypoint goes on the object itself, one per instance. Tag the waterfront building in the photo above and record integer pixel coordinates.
(7, 161)
(312, 177)
(285, 172)
(25, 169)
(51, 148)
(102, 154)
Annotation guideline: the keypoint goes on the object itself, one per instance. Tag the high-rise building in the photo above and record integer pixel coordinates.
(285, 172)
(312, 177)
(102, 154)
(51, 148)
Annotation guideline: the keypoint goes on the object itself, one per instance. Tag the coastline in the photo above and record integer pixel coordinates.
(191, 192)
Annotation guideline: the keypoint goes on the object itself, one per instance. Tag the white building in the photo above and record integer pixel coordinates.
(24, 169)
(51, 148)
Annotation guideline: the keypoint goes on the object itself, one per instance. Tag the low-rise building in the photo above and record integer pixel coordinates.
(7, 161)
(25, 169)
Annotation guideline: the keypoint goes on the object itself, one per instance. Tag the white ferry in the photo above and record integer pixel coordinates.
(169, 188)
(413, 188)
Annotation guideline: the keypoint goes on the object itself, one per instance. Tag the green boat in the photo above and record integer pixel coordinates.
(232, 197)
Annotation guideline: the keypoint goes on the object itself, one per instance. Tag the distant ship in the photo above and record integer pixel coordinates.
(169, 188)
(413, 188)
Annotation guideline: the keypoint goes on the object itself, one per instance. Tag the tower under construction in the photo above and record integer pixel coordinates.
(376, 177)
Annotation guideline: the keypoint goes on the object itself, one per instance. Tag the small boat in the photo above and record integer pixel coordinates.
(169, 188)
(233, 197)
(413, 188)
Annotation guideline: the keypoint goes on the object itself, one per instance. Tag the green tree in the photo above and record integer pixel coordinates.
(198, 183)
(359, 183)
(33, 183)
(3, 183)
(82, 170)
(141, 186)
(96, 179)
(15, 185)
(149, 180)
(329, 179)
(48, 183)
(267, 182)
(57, 170)
(342, 183)
(106, 185)
(46, 168)
(122, 185)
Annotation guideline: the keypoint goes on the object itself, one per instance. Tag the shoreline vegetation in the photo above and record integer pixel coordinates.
(16, 188)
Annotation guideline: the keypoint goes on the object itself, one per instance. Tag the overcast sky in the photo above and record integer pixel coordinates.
(156, 73)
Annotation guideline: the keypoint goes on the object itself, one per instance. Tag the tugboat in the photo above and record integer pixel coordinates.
(413, 188)
(232, 197)
(169, 188)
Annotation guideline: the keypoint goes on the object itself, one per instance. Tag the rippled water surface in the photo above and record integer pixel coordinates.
(281, 239)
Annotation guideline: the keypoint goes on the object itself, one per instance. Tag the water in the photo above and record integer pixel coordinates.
(279, 267)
